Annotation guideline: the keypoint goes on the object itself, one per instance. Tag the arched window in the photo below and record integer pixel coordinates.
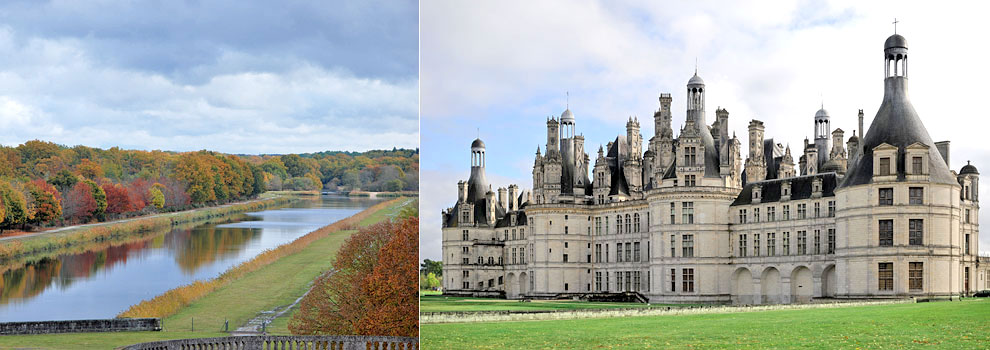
(491, 260)
(618, 224)
(636, 222)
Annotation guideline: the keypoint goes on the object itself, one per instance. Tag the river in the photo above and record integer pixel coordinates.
(104, 280)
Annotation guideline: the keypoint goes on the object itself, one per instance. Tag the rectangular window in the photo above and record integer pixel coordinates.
(673, 246)
(787, 212)
(673, 213)
(514, 256)
(818, 241)
(618, 252)
(636, 252)
(786, 243)
(886, 196)
(628, 252)
(802, 211)
(771, 214)
(689, 180)
(628, 280)
(885, 276)
(756, 214)
(598, 253)
(598, 226)
(673, 280)
(967, 216)
(884, 166)
(831, 209)
(916, 195)
(565, 257)
(756, 244)
(802, 241)
(831, 241)
(636, 277)
(742, 216)
(916, 272)
(818, 209)
(522, 255)
(771, 243)
(916, 165)
(687, 246)
(886, 233)
(966, 250)
(687, 215)
(687, 283)
(916, 231)
(598, 280)
(690, 156)
(742, 245)
(618, 281)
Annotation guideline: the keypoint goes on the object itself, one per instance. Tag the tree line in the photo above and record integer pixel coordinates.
(46, 184)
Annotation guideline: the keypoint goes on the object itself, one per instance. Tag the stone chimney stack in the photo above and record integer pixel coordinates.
(503, 199)
(462, 191)
(513, 197)
(943, 149)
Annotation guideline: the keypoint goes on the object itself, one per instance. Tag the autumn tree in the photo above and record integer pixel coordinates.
(157, 197)
(47, 206)
(78, 204)
(64, 180)
(89, 169)
(373, 289)
(99, 197)
(118, 199)
(15, 206)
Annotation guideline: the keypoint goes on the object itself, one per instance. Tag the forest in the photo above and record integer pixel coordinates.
(43, 184)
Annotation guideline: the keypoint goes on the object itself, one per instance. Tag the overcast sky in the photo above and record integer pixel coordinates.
(231, 76)
(504, 67)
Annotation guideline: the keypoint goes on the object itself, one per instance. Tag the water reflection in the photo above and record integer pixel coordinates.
(102, 279)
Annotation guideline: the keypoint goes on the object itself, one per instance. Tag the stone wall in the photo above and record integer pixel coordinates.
(344, 342)
(77, 326)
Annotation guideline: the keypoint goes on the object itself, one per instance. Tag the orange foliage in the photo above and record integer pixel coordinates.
(373, 287)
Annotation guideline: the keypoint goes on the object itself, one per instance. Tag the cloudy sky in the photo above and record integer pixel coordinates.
(231, 76)
(504, 67)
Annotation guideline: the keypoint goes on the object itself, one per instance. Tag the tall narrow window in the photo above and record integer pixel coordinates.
(673, 280)
(818, 209)
(628, 252)
(742, 216)
(787, 212)
(636, 252)
(687, 246)
(886, 196)
(831, 241)
(672, 213)
(916, 195)
(885, 275)
(464, 235)
(687, 214)
(802, 241)
(636, 222)
(884, 166)
(756, 214)
(771, 214)
(886, 233)
(688, 280)
(598, 280)
(628, 224)
(618, 224)
(690, 156)
(966, 250)
(916, 279)
(818, 241)
(618, 252)
(598, 253)
(598, 226)
(916, 231)
(831, 209)
(802, 210)
(916, 165)
(771, 244)
(742, 245)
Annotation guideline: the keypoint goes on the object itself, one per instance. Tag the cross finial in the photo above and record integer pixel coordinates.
(695, 65)
(567, 104)
(479, 133)
(895, 25)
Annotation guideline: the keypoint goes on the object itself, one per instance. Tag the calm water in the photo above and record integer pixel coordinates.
(107, 279)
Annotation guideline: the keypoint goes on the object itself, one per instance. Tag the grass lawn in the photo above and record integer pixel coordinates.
(276, 284)
(936, 325)
(436, 303)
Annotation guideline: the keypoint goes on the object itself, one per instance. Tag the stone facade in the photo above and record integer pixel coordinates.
(687, 221)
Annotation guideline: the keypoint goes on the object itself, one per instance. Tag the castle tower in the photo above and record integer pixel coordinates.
(477, 183)
(822, 129)
(707, 153)
(553, 136)
(756, 164)
(602, 180)
(786, 169)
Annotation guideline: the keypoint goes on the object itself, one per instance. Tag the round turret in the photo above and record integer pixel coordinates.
(478, 144)
(696, 80)
(567, 116)
(895, 41)
(968, 169)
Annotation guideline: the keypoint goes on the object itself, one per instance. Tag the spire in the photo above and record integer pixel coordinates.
(895, 25)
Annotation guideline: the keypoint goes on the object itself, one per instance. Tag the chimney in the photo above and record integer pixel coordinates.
(513, 197)
(943, 149)
(503, 199)
(462, 189)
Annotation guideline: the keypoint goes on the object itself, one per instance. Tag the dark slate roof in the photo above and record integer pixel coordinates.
(616, 154)
(480, 208)
(968, 169)
(899, 125)
(477, 185)
(773, 161)
(567, 168)
(800, 188)
(478, 143)
(895, 40)
(506, 221)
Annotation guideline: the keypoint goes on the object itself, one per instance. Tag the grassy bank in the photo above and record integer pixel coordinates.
(937, 325)
(275, 283)
(171, 301)
(101, 232)
(436, 303)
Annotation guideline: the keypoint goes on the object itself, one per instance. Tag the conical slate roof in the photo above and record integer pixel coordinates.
(899, 125)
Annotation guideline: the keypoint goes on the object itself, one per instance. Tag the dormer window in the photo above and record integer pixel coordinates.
(916, 158)
(916, 165)
(883, 168)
